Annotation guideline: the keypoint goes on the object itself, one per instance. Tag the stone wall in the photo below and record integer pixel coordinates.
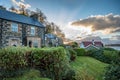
(8, 37)
(8, 34)
(41, 33)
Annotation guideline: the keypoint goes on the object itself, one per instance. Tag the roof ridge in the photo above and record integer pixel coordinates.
(11, 16)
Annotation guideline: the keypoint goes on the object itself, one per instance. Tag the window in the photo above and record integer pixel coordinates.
(32, 30)
(14, 27)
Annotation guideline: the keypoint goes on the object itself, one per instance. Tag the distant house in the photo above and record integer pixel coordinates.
(52, 40)
(91, 44)
(17, 30)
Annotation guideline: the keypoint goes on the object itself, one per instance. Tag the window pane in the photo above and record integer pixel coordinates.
(32, 30)
(14, 27)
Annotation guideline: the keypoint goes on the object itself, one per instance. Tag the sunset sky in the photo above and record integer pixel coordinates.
(78, 18)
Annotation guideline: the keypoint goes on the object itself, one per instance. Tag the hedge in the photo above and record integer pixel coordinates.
(80, 51)
(52, 62)
(12, 61)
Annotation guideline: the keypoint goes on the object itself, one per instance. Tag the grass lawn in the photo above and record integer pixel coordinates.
(89, 66)
(30, 75)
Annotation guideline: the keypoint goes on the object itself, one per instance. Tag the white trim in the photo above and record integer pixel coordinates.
(91, 45)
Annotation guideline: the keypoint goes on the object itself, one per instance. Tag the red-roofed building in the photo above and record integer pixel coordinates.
(91, 44)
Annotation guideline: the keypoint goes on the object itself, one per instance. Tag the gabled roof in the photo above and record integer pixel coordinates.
(96, 43)
(86, 43)
(7, 15)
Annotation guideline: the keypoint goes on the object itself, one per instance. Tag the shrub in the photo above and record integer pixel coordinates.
(111, 55)
(12, 61)
(72, 54)
(103, 55)
(109, 49)
(98, 54)
(113, 70)
(70, 75)
(52, 62)
(80, 51)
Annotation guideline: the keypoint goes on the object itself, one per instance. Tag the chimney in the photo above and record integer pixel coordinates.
(34, 16)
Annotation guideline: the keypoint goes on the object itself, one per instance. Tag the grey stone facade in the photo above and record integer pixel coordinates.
(22, 37)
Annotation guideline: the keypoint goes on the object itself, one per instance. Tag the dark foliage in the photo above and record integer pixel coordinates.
(113, 70)
(106, 55)
(52, 62)
(80, 51)
(72, 54)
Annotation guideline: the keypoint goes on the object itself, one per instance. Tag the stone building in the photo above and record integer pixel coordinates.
(17, 30)
(52, 40)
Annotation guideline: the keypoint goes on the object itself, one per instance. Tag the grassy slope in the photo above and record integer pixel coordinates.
(89, 65)
(30, 75)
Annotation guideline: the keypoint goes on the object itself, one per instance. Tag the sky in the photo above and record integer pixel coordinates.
(78, 18)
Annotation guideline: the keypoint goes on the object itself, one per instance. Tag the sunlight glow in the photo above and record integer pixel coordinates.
(83, 30)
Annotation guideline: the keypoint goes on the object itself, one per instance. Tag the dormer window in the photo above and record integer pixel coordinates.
(14, 27)
(32, 30)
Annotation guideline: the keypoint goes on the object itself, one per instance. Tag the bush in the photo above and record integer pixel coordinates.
(104, 55)
(12, 61)
(98, 54)
(52, 62)
(109, 49)
(113, 70)
(72, 54)
(111, 55)
(80, 51)
(70, 75)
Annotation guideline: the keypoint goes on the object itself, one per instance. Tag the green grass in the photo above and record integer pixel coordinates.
(30, 75)
(89, 66)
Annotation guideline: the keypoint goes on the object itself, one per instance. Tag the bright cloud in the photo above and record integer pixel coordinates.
(21, 4)
(106, 23)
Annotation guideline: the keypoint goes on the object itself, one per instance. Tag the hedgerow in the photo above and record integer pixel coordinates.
(52, 62)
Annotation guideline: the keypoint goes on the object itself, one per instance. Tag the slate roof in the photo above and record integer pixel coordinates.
(7, 15)
(51, 36)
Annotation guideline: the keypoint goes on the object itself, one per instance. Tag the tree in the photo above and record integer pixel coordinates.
(13, 9)
(41, 16)
(74, 44)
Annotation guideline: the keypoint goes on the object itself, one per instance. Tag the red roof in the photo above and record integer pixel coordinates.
(95, 43)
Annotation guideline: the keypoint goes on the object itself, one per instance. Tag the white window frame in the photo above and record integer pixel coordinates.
(32, 30)
(14, 27)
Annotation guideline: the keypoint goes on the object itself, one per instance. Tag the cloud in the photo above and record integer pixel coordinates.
(108, 23)
(21, 4)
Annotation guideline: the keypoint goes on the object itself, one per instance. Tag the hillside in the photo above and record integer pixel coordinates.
(89, 67)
